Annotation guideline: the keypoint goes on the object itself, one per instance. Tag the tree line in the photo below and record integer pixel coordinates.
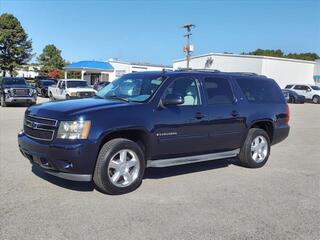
(309, 56)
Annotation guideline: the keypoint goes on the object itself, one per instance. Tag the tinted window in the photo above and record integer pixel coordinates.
(304, 87)
(187, 88)
(14, 81)
(138, 88)
(315, 87)
(260, 90)
(77, 84)
(298, 87)
(218, 91)
(289, 86)
(47, 82)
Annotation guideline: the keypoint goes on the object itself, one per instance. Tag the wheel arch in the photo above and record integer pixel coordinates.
(266, 125)
(138, 135)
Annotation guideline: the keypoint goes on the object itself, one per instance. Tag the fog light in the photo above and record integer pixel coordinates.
(68, 166)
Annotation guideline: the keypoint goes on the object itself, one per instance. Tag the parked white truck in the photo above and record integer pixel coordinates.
(70, 88)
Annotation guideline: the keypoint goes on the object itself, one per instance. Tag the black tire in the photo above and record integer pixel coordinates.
(245, 155)
(316, 99)
(51, 96)
(67, 96)
(101, 176)
(3, 103)
(43, 93)
(292, 100)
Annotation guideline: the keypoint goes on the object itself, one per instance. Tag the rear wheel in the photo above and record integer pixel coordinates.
(43, 93)
(292, 100)
(316, 99)
(120, 167)
(67, 96)
(256, 149)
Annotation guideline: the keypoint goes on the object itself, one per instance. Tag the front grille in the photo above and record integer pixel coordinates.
(86, 94)
(40, 128)
(20, 92)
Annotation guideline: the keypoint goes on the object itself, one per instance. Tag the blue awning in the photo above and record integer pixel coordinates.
(85, 65)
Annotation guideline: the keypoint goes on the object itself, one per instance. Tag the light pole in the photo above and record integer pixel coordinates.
(188, 48)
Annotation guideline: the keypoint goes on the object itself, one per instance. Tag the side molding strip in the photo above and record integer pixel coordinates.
(192, 159)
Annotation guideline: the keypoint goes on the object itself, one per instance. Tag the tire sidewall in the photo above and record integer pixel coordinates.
(104, 158)
(316, 99)
(246, 149)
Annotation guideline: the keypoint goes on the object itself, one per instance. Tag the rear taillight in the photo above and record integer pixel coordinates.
(287, 118)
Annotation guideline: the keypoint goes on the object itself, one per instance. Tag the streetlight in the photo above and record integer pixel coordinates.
(188, 49)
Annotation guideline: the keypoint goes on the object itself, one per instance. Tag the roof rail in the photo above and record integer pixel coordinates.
(245, 73)
(197, 69)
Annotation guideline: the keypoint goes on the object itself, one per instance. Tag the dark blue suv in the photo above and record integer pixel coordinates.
(156, 119)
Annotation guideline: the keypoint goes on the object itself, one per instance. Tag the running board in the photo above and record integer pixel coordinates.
(192, 159)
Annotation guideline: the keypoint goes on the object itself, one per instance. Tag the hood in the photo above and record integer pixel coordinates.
(67, 109)
(17, 86)
(81, 89)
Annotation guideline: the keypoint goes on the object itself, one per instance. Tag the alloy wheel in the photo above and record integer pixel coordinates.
(259, 149)
(123, 168)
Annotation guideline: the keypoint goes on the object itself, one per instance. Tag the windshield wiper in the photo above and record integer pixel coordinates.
(118, 98)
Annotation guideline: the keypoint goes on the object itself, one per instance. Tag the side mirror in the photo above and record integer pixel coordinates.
(172, 99)
(308, 90)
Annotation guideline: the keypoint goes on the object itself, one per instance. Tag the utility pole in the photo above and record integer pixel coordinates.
(188, 48)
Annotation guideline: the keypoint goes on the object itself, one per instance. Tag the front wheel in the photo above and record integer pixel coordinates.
(316, 99)
(256, 149)
(3, 103)
(120, 167)
(51, 96)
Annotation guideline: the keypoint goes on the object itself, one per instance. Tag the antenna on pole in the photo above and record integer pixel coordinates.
(188, 49)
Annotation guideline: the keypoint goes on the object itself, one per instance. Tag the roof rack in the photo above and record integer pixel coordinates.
(245, 73)
(197, 69)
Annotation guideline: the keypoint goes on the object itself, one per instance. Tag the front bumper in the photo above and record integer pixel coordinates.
(72, 160)
(32, 99)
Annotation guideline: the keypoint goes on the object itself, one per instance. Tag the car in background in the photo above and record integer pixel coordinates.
(71, 88)
(310, 92)
(42, 86)
(16, 90)
(99, 85)
(293, 97)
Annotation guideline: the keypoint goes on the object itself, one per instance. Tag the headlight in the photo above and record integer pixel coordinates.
(74, 129)
(73, 94)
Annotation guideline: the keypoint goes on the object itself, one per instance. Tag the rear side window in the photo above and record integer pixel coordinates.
(289, 86)
(301, 87)
(218, 91)
(260, 90)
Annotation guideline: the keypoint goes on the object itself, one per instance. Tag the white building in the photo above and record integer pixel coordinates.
(95, 71)
(26, 71)
(283, 70)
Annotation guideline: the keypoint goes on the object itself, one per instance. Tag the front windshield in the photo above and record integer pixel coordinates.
(132, 88)
(315, 87)
(48, 82)
(77, 84)
(14, 81)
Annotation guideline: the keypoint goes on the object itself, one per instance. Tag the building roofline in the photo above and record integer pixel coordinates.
(246, 56)
(139, 63)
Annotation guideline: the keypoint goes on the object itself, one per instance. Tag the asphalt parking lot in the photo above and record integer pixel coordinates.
(212, 200)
